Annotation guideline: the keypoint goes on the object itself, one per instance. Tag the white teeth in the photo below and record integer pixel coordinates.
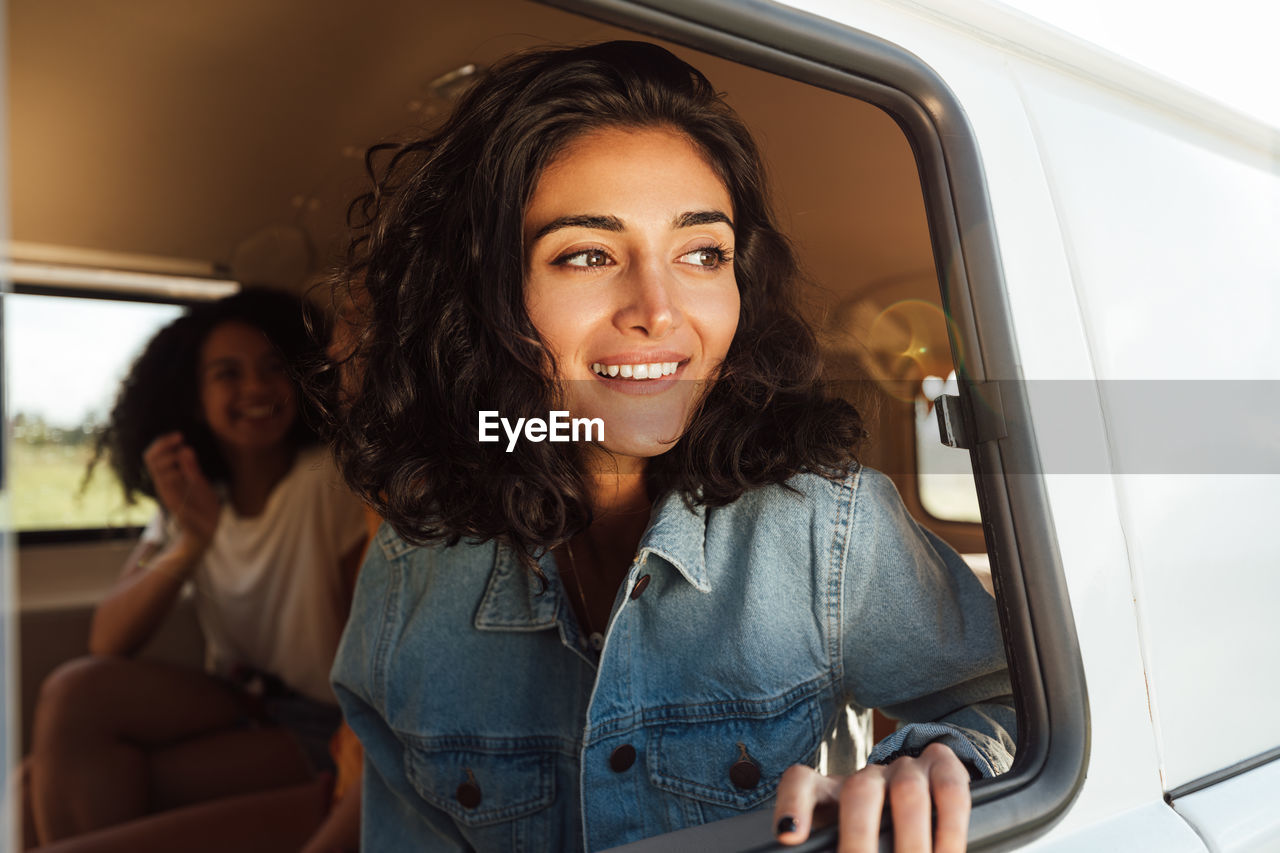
(654, 370)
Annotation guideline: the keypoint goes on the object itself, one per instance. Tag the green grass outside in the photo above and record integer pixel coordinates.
(44, 490)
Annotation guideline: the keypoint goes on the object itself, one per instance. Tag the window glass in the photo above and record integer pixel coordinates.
(65, 358)
(904, 336)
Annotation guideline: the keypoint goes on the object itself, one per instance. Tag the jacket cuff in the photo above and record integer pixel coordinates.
(983, 760)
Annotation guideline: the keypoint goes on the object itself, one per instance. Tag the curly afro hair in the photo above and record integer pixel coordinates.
(436, 269)
(161, 392)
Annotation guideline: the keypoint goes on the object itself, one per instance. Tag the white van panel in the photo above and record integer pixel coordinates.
(1239, 814)
(1153, 827)
(1207, 602)
(1171, 231)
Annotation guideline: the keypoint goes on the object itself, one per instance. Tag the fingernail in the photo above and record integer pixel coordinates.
(787, 824)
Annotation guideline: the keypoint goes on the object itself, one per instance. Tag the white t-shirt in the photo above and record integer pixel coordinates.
(269, 591)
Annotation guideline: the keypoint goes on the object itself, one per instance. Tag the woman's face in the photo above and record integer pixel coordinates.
(245, 392)
(629, 276)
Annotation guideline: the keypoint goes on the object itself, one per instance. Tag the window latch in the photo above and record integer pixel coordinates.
(951, 428)
(989, 424)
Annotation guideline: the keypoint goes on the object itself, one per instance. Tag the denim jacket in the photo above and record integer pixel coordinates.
(741, 639)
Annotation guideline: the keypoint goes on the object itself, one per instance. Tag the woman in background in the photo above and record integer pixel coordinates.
(254, 517)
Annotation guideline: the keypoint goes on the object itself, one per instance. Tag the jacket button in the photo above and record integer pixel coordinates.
(622, 758)
(468, 795)
(639, 587)
(744, 774)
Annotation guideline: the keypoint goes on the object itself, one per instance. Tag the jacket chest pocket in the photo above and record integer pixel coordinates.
(732, 763)
(498, 798)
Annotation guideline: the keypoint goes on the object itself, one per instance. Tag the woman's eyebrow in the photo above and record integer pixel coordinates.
(613, 223)
(600, 223)
(702, 217)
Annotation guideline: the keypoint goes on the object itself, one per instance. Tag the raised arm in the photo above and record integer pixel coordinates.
(154, 573)
(921, 641)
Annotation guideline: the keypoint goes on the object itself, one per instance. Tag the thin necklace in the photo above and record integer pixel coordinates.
(595, 638)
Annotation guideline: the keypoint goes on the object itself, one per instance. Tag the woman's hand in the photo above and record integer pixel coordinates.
(936, 778)
(183, 489)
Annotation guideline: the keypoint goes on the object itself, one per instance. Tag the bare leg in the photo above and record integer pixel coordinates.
(226, 763)
(278, 821)
(104, 730)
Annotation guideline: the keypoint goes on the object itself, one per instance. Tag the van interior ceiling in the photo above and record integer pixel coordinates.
(227, 136)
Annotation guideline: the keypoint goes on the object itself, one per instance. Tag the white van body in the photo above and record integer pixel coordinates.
(1138, 226)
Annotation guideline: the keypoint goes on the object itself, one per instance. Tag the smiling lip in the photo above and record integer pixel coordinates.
(624, 368)
(259, 413)
(639, 366)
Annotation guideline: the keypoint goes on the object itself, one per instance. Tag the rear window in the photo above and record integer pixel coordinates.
(65, 357)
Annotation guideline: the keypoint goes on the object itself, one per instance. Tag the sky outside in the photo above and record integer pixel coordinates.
(64, 358)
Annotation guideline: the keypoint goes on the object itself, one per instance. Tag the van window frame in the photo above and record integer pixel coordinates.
(1039, 629)
(79, 535)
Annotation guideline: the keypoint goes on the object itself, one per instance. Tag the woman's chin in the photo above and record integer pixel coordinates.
(638, 449)
(620, 445)
(641, 435)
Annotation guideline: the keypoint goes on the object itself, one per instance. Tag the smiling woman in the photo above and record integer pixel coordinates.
(630, 265)
(245, 391)
(590, 232)
(207, 422)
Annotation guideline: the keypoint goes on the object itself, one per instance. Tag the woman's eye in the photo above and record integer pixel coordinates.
(586, 258)
(708, 257)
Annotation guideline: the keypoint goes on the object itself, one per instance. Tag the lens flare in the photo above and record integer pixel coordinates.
(908, 342)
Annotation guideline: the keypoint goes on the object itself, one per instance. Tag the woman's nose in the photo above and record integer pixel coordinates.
(262, 382)
(649, 305)
(255, 385)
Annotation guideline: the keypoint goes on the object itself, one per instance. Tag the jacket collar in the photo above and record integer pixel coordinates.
(515, 600)
(678, 534)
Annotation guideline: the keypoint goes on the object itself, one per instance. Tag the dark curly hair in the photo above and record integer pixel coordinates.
(161, 392)
(437, 267)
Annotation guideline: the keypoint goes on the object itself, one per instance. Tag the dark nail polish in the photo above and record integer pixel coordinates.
(787, 824)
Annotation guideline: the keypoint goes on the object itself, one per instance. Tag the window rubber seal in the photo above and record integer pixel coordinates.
(76, 535)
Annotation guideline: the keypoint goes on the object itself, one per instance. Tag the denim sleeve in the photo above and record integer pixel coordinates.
(920, 637)
(393, 815)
